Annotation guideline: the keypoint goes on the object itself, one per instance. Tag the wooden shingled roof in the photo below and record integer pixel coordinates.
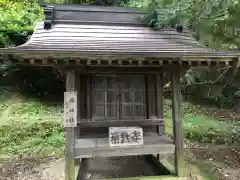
(85, 34)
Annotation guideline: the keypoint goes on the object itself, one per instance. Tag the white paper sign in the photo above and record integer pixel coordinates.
(70, 109)
(125, 136)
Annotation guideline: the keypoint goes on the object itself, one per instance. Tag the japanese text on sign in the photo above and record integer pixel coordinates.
(123, 136)
(70, 109)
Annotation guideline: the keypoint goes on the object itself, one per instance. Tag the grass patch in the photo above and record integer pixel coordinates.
(204, 129)
(29, 128)
(35, 138)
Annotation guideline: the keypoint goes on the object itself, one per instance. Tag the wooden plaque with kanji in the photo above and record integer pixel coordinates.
(70, 109)
(125, 136)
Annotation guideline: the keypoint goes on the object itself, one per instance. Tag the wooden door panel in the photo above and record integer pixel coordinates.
(99, 112)
(105, 92)
(99, 82)
(99, 97)
(127, 96)
(112, 83)
(133, 97)
(138, 96)
(126, 111)
(139, 111)
(112, 111)
(119, 97)
(111, 96)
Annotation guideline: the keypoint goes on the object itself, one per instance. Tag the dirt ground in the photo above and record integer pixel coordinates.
(216, 162)
(30, 169)
(100, 168)
(222, 163)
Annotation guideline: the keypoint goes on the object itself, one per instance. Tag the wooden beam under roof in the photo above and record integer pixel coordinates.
(78, 63)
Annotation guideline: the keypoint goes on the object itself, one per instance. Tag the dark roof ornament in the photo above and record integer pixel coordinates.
(43, 3)
(49, 14)
(179, 28)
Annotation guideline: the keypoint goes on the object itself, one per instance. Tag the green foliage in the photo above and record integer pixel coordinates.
(201, 128)
(99, 2)
(17, 20)
(214, 22)
(163, 13)
(29, 128)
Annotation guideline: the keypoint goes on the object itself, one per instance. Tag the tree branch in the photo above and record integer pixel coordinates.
(168, 88)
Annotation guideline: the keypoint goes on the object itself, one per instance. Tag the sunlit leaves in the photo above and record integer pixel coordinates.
(17, 17)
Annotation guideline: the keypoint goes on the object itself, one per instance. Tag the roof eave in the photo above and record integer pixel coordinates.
(150, 53)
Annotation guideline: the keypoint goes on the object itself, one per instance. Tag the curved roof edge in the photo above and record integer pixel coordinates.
(113, 40)
(92, 32)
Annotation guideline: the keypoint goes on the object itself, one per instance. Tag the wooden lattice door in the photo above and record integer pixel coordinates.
(132, 90)
(105, 102)
(118, 97)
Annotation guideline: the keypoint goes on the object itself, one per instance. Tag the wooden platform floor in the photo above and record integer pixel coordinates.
(88, 147)
(121, 167)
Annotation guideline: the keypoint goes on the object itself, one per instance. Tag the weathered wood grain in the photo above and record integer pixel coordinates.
(70, 133)
(117, 96)
(177, 121)
(87, 40)
(159, 100)
(120, 122)
(99, 147)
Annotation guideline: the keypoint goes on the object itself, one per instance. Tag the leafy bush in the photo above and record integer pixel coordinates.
(17, 20)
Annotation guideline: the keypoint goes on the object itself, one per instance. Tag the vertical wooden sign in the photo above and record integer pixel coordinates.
(70, 109)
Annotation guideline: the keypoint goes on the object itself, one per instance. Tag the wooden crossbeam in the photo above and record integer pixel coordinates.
(121, 63)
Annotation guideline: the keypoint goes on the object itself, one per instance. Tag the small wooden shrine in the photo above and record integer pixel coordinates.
(114, 66)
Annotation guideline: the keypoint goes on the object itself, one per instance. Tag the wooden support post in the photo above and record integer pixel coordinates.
(70, 134)
(159, 101)
(159, 105)
(177, 122)
(84, 174)
(89, 97)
